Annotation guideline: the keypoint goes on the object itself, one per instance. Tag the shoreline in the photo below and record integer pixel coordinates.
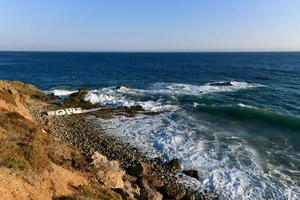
(85, 134)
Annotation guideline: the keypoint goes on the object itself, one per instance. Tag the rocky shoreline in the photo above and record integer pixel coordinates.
(71, 157)
(86, 134)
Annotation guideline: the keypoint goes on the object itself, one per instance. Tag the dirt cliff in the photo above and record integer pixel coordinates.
(33, 163)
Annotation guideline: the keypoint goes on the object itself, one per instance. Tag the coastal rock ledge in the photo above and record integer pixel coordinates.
(41, 157)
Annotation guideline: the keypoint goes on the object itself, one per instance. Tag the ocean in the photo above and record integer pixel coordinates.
(234, 117)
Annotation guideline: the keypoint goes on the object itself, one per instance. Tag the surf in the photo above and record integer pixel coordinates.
(247, 113)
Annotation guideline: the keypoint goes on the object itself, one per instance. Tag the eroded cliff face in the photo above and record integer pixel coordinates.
(34, 164)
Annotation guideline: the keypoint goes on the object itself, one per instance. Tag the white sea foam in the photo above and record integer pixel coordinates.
(61, 92)
(232, 168)
(114, 97)
(245, 106)
(188, 89)
(227, 163)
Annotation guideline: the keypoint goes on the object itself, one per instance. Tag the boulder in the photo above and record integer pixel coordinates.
(154, 180)
(139, 169)
(192, 173)
(149, 194)
(174, 192)
(108, 172)
(174, 164)
(77, 100)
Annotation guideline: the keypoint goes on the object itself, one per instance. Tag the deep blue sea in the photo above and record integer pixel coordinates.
(234, 117)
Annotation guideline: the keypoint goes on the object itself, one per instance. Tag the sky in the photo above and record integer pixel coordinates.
(150, 25)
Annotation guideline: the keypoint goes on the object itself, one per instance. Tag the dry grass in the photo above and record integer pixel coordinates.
(28, 151)
(11, 156)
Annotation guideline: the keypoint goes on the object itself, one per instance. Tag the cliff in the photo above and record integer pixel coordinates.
(35, 164)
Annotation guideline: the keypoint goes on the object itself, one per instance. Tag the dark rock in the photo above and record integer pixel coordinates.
(139, 169)
(147, 193)
(77, 100)
(174, 192)
(225, 83)
(135, 169)
(143, 183)
(192, 173)
(52, 97)
(174, 164)
(121, 192)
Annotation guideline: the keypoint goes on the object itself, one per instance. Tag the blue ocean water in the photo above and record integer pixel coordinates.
(235, 117)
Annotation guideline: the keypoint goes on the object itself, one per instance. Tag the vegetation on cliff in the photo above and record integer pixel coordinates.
(33, 163)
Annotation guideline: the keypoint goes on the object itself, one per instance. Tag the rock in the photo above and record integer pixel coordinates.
(174, 192)
(174, 164)
(109, 172)
(13, 101)
(131, 190)
(150, 182)
(143, 183)
(123, 193)
(154, 181)
(149, 194)
(191, 197)
(137, 169)
(130, 178)
(147, 168)
(77, 100)
(144, 170)
(225, 83)
(192, 173)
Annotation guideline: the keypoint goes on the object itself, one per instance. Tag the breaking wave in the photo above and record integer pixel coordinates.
(61, 92)
(124, 96)
(188, 89)
(115, 97)
(250, 113)
(227, 163)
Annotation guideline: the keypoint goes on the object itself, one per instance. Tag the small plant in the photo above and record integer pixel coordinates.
(11, 156)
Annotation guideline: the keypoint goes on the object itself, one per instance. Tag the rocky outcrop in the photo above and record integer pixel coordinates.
(12, 101)
(108, 172)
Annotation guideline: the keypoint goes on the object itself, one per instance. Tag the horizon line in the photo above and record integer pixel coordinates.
(79, 51)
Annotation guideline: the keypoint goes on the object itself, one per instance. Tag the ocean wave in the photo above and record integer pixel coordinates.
(61, 92)
(246, 106)
(114, 97)
(228, 165)
(243, 112)
(110, 95)
(228, 161)
(188, 89)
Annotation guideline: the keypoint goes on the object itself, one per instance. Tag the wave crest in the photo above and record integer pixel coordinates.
(115, 97)
(188, 89)
(61, 92)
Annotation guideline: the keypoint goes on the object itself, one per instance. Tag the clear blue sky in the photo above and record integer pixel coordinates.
(150, 25)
